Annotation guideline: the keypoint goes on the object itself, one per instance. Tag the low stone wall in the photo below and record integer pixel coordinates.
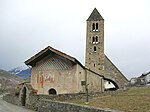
(60, 97)
(12, 99)
(55, 106)
(34, 101)
(51, 103)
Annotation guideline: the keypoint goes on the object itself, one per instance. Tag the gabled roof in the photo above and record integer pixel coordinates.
(95, 16)
(116, 68)
(45, 52)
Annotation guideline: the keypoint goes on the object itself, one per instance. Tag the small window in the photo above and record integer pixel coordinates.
(108, 82)
(94, 48)
(83, 83)
(93, 26)
(94, 65)
(96, 26)
(96, 39)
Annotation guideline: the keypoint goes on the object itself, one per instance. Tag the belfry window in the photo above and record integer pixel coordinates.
(96, 26)
(95, 40)
(93, 26)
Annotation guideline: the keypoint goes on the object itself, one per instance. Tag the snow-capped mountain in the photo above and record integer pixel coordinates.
(17, 70)
(21, 71)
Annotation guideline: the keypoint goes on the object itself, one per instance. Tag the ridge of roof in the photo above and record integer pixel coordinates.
(45, 52)
(95, 16)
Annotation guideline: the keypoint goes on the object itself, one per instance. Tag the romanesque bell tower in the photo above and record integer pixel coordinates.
(95, 42)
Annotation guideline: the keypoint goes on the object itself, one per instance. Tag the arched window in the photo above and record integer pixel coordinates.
(93, 26)
(52, 91)
(96, 40)
(96, 26)
(94, 48)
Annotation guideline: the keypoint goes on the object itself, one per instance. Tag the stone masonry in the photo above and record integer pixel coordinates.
(95, 56)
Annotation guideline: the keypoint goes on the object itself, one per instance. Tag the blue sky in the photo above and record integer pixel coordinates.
(28, 26)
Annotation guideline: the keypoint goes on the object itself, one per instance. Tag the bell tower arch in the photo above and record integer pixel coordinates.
(94, 59)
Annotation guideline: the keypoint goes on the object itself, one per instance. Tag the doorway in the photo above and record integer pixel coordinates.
(23, 97)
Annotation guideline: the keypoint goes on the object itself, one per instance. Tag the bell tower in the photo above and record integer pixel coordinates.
(95, 42)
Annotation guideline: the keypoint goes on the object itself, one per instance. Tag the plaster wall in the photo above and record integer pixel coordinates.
(95, 82)
(55, 73)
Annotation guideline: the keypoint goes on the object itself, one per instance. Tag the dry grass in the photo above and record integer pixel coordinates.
(133, 100)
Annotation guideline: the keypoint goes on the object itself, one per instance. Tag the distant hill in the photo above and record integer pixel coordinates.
(8, 80)
(22, 72)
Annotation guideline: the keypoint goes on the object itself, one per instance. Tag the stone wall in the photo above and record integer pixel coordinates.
(35, 100)
(53, 106)
(12, 99)
(52, 103)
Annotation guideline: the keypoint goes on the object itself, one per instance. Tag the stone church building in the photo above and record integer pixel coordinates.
(54, 72)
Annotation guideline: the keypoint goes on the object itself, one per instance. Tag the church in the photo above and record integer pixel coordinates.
(54, 72)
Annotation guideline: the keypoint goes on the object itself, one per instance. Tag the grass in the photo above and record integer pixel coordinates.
(133, 100)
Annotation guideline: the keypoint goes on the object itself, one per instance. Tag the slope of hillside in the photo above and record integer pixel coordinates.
(6, 74)
(8, 80)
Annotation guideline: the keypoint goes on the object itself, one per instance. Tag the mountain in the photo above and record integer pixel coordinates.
(22, 72)
(25, 74)
(17, 70)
